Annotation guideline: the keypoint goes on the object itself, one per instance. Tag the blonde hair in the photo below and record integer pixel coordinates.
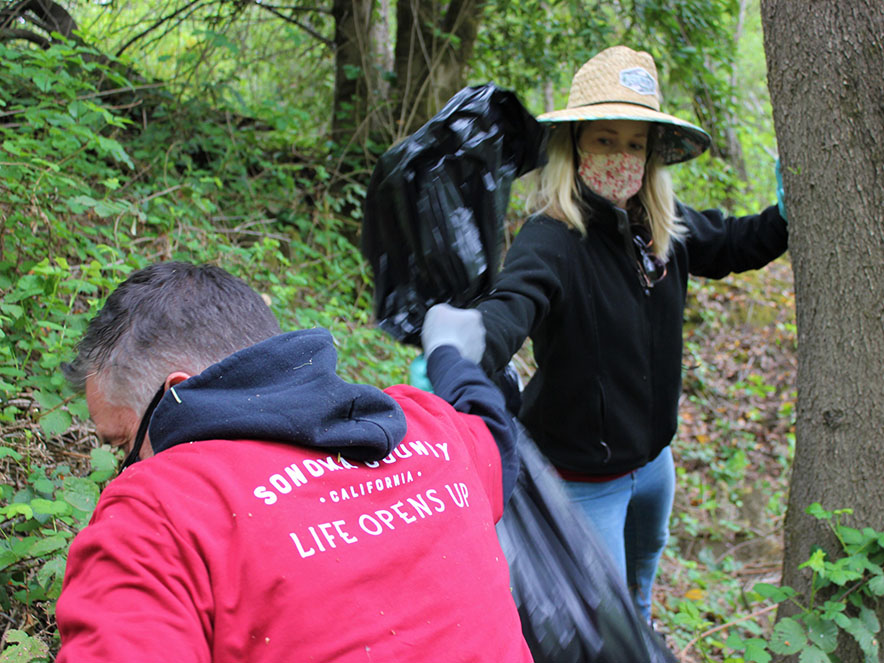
(554, 192)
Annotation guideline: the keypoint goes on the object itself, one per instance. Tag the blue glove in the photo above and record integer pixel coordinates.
(417, 374)
(781, 204)
(460, 327)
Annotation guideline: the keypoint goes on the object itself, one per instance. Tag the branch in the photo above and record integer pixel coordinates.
(171, 26)
(721, 627)
(27, 35)
(318, 10)
(50, 16)
(119, 90)
(155, 25)
(290, 19)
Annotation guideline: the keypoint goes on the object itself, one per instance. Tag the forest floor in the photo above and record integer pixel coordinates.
(733, 453)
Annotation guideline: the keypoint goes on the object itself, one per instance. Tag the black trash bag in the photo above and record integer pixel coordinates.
(435, 206)
(572, 601)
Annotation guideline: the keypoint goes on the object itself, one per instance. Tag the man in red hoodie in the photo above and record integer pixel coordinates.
(281, 513)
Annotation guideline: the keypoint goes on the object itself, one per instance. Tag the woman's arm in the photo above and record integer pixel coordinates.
(529, 286)
(718, 245)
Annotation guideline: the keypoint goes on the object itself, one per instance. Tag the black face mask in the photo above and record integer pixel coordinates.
(132, 456)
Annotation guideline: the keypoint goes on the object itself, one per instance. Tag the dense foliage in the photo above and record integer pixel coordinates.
(203, 145)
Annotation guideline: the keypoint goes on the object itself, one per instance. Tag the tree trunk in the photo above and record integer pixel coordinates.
(825, 61)
(434, 41)
(42, 18)
(353, 71)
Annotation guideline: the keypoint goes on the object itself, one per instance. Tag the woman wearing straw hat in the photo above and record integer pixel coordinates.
(597, 277)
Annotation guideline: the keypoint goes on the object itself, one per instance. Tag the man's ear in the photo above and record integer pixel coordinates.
(174, 378)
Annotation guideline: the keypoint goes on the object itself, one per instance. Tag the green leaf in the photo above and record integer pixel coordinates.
(817, 511)
(7, 557)
(114, 149)
(870, 566)
(869, 619)
(79, 204)
(47, 399)
(22, 546)
(788, 637)
(863, 636)
(23, 496)
(24, 649)
(103, 459)
(840, 572)
(822, 633)
(48, 324)
(869, 534)
(10, 452)
(51, 575)
(80, 493)
(55, 422)
(13, 510)
(44, 486)
(50, 507)
(352, 72)
(735, 642)
(47, 545)
(79, 408)
(850, 535)
(813, 655)
(42, 80)
(876, 585)
(756, 651)
(106, 208)
(816, 562)
(77, 109)
(12, 310)
(772, 592)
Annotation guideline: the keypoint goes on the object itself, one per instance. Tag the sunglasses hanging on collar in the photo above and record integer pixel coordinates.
(637, 242)
(651, 267)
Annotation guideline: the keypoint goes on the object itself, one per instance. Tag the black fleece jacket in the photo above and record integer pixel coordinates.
(604, 398)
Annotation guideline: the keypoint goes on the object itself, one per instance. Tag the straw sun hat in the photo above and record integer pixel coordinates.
(621, 84)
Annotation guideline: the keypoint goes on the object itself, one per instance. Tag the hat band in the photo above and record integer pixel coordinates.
(615, 101)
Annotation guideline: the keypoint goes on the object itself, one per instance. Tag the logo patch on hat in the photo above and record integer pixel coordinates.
(638, 80)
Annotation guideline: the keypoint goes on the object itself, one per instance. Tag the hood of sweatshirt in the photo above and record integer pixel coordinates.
(284, 389)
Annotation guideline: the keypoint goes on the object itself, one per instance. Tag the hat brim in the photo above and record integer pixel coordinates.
(677, 140)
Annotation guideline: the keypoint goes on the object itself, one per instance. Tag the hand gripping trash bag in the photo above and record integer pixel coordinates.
(435, 205)
(572, 602)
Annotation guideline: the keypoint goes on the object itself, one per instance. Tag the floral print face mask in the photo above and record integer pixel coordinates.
(616, 177)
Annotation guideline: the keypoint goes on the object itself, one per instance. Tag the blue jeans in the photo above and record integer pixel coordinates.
(631, 517)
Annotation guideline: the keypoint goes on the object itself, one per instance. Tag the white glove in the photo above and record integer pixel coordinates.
(460, 327)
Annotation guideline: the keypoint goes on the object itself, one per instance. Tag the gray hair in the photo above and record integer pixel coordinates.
(167, 317)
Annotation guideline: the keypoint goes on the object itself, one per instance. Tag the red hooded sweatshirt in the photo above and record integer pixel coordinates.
(232, 550)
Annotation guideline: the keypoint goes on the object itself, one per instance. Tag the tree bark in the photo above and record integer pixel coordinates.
(353, 70)
(434, 41)
(825, 61)
(45, 16)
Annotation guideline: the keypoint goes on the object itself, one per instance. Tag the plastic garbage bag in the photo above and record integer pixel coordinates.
(435, 205)
(572, 602)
